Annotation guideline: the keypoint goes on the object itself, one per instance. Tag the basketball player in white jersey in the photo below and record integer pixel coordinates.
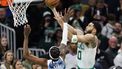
(55, 62)
(87, 43)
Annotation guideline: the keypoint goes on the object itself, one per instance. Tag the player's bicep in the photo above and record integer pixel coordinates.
(41, 61)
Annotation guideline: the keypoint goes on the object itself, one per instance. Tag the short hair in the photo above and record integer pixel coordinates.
(54, 52)
(97, 26)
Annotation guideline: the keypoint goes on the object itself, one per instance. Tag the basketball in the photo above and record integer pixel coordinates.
(4, 3)
(52, 3)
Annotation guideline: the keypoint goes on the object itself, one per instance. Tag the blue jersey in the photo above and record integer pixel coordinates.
(59, 64)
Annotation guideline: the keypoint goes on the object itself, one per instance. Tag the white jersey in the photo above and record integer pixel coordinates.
(85, 56)
(70, 61)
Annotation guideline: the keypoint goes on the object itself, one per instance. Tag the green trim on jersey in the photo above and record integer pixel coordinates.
(84, 68)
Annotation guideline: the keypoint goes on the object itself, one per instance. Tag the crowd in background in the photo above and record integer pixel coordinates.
(46, 32)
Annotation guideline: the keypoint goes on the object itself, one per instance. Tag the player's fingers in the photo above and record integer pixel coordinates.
(65, 11)
(55, 18)
(69, 9)
(72, 12)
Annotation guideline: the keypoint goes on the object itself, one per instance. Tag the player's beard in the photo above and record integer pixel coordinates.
(88, 32)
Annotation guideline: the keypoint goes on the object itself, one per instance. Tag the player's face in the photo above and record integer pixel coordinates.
(89, 28)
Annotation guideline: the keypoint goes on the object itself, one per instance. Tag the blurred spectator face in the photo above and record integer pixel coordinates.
(77, 13)
(113, 42)
(120, 2)
(2, 13)
(18, 65)
(59, 34)
(92, 2)
(100, 5)
(73, 47)
(4, 42)
(48, 19)
(36, 66)
(9, 56)
(118, 27)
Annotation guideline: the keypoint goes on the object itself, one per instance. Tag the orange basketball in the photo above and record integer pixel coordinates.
(52, 3)
(4, 2)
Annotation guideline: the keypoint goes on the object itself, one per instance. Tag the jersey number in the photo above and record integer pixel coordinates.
(79, 55)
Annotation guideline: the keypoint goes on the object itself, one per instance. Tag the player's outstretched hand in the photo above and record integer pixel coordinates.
(63, 18)
(27, 30)
(67, 14)
(57, 16)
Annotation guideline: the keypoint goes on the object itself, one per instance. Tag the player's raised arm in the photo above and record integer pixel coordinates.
(63, 45)
(30, 57)
(64, 19)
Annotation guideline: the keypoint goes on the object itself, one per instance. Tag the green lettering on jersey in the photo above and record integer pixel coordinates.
(79, 52)
(79, 55)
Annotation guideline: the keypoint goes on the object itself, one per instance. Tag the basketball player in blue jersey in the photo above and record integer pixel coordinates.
(55, 62)
(87, 43)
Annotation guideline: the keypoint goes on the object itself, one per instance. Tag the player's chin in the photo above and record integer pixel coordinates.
(88, 31)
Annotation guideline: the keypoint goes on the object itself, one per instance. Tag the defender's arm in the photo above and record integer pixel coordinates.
(41, 61)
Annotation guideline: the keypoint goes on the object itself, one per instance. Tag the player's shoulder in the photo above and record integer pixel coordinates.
(91, 36)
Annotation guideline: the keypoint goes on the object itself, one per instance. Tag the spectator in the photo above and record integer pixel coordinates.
(3, 46)
(92, 3)
(57, 37)
(2, 15)
(117, 32)
(49, 25)
(36, 66)
(78, 19)
(27, 64)
(112, 5)
(97, 12)
(118, 58)
(119, 11)
(8, 60)
(17, 65)
(3, 19)
(101, 10)
(102, 59)
(112, 50)
(108, 28)
(71, 57)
